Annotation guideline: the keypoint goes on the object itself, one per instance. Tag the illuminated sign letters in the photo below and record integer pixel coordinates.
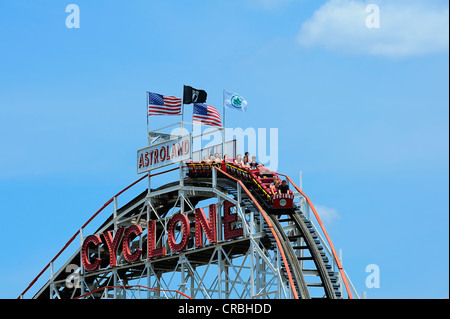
(204, 226)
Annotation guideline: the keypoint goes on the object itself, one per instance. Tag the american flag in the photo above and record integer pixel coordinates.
(206, 114)
(163, 105)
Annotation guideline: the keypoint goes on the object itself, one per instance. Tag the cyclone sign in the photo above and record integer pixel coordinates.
(111, 240)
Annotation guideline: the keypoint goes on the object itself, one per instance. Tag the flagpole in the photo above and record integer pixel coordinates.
(223, 125)
(182, 119)
(146, 106)
(148, 141)
(182, 113)
(182, 162)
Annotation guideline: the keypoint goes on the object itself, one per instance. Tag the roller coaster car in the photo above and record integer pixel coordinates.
(282, 201)
(201, 169)
(278, 201)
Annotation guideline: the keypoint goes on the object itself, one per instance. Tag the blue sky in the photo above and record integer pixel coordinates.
(363, 113)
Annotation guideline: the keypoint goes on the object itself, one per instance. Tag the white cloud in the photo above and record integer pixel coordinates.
(407, 28)
(326, 214)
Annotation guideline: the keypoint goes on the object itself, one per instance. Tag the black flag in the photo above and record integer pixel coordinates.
(191, 95)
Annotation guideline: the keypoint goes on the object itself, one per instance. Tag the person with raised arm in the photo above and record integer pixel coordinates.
(274, 185)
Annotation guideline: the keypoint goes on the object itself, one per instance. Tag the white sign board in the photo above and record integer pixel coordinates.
(163, 154)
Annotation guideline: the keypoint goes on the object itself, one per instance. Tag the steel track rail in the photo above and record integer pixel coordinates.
(292, 259)
(320, 266)
(335, 256)
(290, 254)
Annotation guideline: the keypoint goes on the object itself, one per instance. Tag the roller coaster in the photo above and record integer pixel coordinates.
(251, 243)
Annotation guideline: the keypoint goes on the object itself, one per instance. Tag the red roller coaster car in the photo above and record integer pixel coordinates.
(260, 178)
(282, 201)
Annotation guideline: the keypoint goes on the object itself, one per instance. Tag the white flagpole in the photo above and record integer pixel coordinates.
(148, 139)
(182, 113)
(223, 125)
(146, 106)
(182, 118)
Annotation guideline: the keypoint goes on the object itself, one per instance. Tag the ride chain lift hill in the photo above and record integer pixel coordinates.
(215, 231)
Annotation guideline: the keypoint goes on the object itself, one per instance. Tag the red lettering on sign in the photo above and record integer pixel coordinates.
(155, 157)
(161, 152)
(151, 158)
(141, 161)
(174, 151)
(151, 241)
(186, 230)
(185, 147)
(228, 218)
(113, 244)
(87, 264)
(178, 224)
(209, 227)
(179, 149)
(132, 230)
(146, 159)
(168, 152)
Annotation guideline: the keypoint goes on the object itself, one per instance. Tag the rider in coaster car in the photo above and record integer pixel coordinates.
(246, 159)
(254, 164)
(274, 185)
(283, 188)
(238, 161)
